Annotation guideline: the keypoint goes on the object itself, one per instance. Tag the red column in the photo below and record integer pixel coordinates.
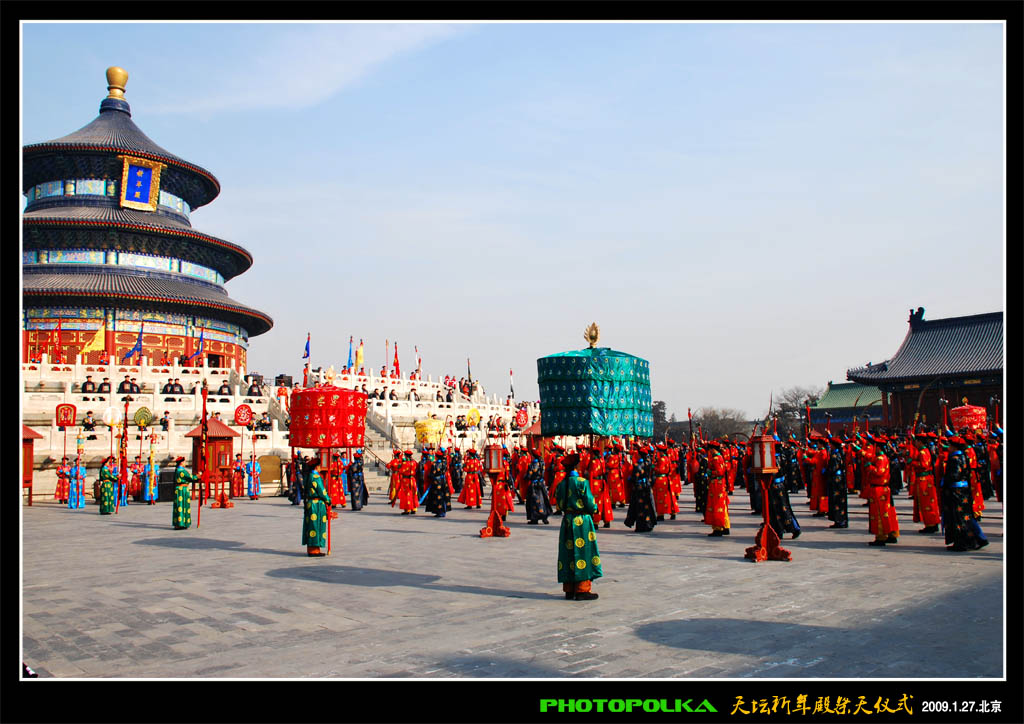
(885, 408)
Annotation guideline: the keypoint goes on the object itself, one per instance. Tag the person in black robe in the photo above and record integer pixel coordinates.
(455, 468)
(701, 480)
(835, 484)
(641, 511)
(422, 478)
(957, 502)
(895, 469)
(437, 489)
(755, 489)
(780, 512)
(356, 488)
(538, 506)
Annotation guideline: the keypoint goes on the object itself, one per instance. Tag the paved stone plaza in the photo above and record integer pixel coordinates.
(403, 596)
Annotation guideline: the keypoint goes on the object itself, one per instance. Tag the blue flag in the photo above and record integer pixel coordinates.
(350, 353)
(134, 350)
(306, 356)
(199, 351)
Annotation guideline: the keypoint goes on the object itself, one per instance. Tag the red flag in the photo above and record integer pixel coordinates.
(398, 371)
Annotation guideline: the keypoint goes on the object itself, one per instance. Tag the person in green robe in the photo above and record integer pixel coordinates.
(318, 502)
(579, 561)
(181, 513)
(108, 484)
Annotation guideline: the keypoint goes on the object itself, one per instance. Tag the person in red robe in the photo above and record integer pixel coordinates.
(675, 481)
(501, 505)
(63, 478)
(472, 491)
(335, 486)
(135, 484)
(598, 478)
(613, 476)
(521, 462)
(817, 496)
(977, 495)
(407, 497)
(553, 474)
(664, 501)
(881, 512)
(923, 489)
(716, 514)
(394, 467)
(238, 477)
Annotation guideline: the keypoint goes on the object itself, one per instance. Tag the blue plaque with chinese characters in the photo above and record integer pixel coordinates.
(140, 183)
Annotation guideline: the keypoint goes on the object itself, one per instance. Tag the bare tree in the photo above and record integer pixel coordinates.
(790, 407)
(717, 422)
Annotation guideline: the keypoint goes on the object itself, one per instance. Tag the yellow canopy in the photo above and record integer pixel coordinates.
(429, 432)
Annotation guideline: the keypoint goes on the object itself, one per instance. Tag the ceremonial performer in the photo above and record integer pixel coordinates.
(780, 510)
(237, 477)
(641, 511)
(437, 489)
(252, 472)
(335, 487)
(701, 476)
(356, 486)
(599, 489)
(579, 561)
(835, 483)
(613, 474)
(76, 486)
(149, 482)
(181, 512)
(923, 488)
(501, 503)
(407, 498)
(817, 495)
(318, 501)
(664, 500)
(394, 468)
(717, 512)
(471, 491)
(675, 481)
(881, 512)
(455, 467)
(108, 484)
(538, 507)
(957, 506)
(63, 477)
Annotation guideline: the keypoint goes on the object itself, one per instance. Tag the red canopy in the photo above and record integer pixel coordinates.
(214, 428)
(27, 433)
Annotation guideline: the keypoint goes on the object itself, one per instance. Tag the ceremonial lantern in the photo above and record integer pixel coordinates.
(763, 449)
(494, 462)
(112, 416)
(969, 416)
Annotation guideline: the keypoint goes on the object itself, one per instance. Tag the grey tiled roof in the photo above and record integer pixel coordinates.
(847, 394)
(955, 346)
(98, 281)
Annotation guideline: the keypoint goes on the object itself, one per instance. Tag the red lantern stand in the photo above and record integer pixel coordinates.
(325, 418)
(212, 447)
(766, 540)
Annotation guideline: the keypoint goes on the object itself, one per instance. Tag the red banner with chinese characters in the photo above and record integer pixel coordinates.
(65, 415)
(328, 416)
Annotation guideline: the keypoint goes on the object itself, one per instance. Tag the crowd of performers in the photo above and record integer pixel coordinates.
(949, 476)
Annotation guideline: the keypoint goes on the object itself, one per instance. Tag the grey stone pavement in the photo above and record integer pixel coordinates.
(416, 596)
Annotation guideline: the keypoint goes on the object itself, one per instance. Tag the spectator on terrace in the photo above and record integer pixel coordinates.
(135, 387)
(88, 423)
(254, 389)
(165, 421)
(413, 395)
(168, 389)
(384, 371)
(225, 388)
(126, 385)
(392, 395)
(449, 397)
(439, 397)
(88, 385)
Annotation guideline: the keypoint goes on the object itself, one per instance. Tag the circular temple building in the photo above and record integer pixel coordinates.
(107, 244)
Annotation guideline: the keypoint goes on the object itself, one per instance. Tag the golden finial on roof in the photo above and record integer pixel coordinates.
(592, 334)
(116, 79)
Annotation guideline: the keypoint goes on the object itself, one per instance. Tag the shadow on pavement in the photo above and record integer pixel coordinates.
(211, 544)
(373, 577)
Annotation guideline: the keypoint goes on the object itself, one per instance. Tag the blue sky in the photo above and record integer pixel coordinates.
(747, 206)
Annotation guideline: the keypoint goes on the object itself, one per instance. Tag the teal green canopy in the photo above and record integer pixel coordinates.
(595, 391)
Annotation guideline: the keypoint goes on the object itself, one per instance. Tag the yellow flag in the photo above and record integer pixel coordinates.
(99, 341)
(359, 355)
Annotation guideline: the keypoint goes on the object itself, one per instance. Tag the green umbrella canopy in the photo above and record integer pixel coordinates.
(597, 391)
